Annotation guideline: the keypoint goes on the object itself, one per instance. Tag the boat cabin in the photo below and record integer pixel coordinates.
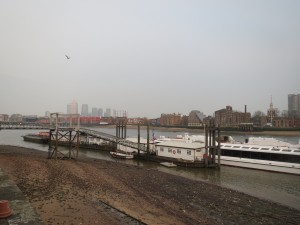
(180, 150)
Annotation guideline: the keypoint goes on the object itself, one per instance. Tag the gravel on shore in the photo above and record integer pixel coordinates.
(93, 191)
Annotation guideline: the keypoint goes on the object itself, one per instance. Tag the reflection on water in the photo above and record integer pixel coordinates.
(281, 188)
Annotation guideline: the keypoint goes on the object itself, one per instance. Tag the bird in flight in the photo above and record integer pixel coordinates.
(67, 57)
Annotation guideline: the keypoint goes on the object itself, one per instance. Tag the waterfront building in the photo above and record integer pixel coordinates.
(282, 122)
(72, 108)
(30, 118)
(18, 118)
(195, 119)
(171, 119)
(44, 120)
(259, 120)
(294, 105)
(4, 118)
(84, 110)
(229, 118)
(138, 120)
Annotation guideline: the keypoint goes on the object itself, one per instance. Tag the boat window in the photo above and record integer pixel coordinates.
(228, 146)
(254, 148)
(169, 150)
(286, 150)
(236, 146)
(275, 149)
(179, 151)
(198, 150)
(265, 149)
(161, 149)
(245, 147)
(189, 152)
(296, 150)
(270, 156)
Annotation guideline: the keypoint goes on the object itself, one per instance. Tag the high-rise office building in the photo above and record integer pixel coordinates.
(94, 112)
(294, 105)
(84, 110)
(47, 113)
(107, 113)
(100, 112)
(72, 108)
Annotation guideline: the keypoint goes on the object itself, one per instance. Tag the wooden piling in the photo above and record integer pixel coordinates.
(148, 141)
(139, 141)
(211, 149)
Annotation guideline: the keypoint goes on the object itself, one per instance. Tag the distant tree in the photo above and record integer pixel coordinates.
(258, 114)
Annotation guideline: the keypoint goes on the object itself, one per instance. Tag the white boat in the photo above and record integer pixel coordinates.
(259, 153)
(168, 164)
(262, 153)
(121, 155)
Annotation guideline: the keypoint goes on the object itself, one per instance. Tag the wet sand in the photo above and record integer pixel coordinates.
(90, 191)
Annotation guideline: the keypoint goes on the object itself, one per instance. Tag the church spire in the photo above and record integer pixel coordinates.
(271, 104)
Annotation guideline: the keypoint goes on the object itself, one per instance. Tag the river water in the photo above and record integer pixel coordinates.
(281, 188)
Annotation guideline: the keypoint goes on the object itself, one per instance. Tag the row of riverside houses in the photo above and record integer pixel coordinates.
(226, 117)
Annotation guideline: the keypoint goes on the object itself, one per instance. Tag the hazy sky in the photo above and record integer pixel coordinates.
(148, 56)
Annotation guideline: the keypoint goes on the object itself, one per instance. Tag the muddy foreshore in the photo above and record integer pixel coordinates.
(90, 191)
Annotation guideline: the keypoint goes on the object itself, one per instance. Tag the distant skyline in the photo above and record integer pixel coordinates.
(148, 57)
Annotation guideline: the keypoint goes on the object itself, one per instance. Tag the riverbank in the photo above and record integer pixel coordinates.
(86, 190)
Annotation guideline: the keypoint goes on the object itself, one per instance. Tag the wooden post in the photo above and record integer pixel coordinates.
(77, 146)
(219, 147)
(214, 143)
(50, 143)
(206, 146)
(117, 127)
(70, 143)
(122, 129)
(148, 138)
(56, 136)
(125, 132)
(139, 136)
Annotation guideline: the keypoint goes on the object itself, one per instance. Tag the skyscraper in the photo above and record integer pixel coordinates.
(108, 112)
(84, 110)
(100, 112)
(72, 108)
(294, 105)
(94, 112)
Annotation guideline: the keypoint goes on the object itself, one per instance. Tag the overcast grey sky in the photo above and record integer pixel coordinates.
(148, 57)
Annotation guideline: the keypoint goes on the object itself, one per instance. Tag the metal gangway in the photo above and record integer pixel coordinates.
(113, 139)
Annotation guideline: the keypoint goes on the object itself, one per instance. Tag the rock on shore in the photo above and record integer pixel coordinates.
(89, 191)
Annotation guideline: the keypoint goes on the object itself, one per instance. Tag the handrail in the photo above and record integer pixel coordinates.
(114, 139)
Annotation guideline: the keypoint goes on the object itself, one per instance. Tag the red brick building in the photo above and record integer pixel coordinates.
(229, 118)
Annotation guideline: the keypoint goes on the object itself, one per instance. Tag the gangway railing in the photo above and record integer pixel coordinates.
(113, 139)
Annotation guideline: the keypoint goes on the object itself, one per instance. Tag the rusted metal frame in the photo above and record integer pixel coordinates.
(74, 147)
